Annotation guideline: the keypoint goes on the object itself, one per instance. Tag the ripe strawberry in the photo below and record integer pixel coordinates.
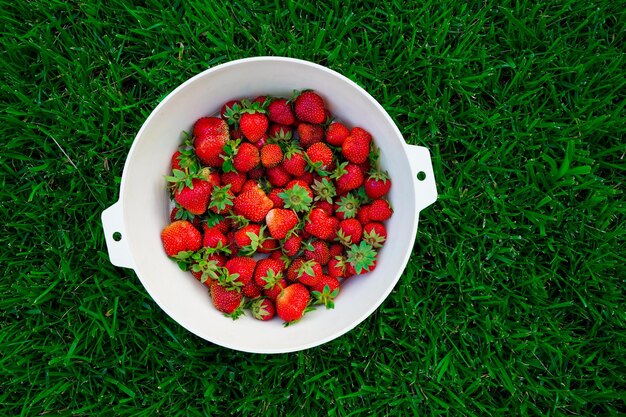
(251, 290)
(280, 112)
(226, 299)
(228, 108)
(377, 185)
(294, 162)
(249, 238)
(375, 234)
(273, 195)
(268, 273)
(337, 267)
(336, 134)
(243, 267)
(271, 155)
(253, 125)
(180, 236)
(221, 223)
(273, 292)
(268, 245)
(182, 214)
(260, 99)
(211, 134)
(261, 142)
(277, 176)
(350, 232)
(291, 245)
(380, 210)
(280, 132)
(235, 179)
(249, 185)
(281, 222)
(221, 199)
(310, 134)
(307, 177)
(326, 206)
(256, 173)
(194, 199)
(252, 204)
(336, 249)
(263, 309)
(309, 273)
(292, 302)
(363, 214)
(176, 161)
(247, 157)
(325, 291)
(213, 238)
(318, 251)
(356, 147)
(320, 155)
(348, 177)
(309, 107)
(321, 225)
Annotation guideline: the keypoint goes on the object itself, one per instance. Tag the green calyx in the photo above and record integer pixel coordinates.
(229, 281)
(348, 205)
(208, 268)
(378, 175)
(362, 257)
(340, 170)
(221, 198)
(306, 268)
(230, 151)
(374, 239)
(326, 296)
(324, 190)
(256, 241)
(258, 309)
(271, 278)
(296, 198)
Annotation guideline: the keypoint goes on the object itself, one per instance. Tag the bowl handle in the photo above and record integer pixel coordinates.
(423, 175)
(113, 225)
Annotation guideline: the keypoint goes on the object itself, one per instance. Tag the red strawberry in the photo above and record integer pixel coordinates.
(325, 291)
(307, 177)
(280, 112)
(277, 176)
(182, 214)
(213, 238)
(261, 142)
(243, 266)
(291, 302)
(350, 232)
(194, 199)
(309, 107)
(375, 234)
(180, 236)
(336, 249)
(377, 185)
(260, 100)
(271, 155)
(321, 225)
(226, 299)
(223, 224)
(336, 134)
(356, 147)
(273, 195)
(346, 207)
(268, 273)
(252, 204)
(326, 206)
(309, 273)
(280, 132)
(228, 106)
(256, 173)
(320, 154)
(176, 161)
(249, 185)
(247, 157)
(268, 245)
(273, 292)
(380, 210)
(363, 214)
(263, 309)
(291, 245)
(337, 267)
(253, 125)
(235, 179)
(251, 290)
(281, 222)
(211, 134)
(249, 238)
(294, 162)
(349, 177)
(310, 134)
(318, 251)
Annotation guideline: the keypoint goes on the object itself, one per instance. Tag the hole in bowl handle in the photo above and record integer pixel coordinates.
(423, 175)
(115, 236)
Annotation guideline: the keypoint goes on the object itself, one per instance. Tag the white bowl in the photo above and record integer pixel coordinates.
(143, 209)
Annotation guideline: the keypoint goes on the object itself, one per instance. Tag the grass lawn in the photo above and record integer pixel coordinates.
(514, 300)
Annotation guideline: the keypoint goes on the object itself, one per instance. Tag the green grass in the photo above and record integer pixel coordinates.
(514, 301)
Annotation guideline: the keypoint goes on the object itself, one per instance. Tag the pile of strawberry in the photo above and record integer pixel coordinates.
(278, 177)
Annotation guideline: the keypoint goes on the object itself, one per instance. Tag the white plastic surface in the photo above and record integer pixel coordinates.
(422, 167)
(145, 209)
(112, 222)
